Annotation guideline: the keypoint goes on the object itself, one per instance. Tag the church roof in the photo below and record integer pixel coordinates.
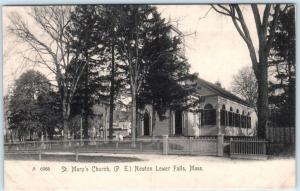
(221, 91)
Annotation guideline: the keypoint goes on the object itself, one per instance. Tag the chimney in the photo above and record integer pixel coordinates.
(218, 83)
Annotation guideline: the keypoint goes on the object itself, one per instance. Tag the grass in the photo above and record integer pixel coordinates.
(71, 158)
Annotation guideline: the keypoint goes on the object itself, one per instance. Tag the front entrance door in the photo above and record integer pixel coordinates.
(178, 122)
(146, 124)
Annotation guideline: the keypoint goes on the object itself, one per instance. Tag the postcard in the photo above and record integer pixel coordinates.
(138, 96)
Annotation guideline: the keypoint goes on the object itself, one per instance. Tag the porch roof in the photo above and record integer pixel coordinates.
(221, 92)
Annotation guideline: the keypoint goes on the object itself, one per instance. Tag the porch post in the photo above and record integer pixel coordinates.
(170, 122)
(220, 142)
(218, 119)
(220, 138)
(173, 123)
(165, 145)
(199, 123)
(140, 128)
(182, 122)
(150, 123)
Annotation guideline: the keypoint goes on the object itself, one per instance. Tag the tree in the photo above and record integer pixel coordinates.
(85, 33)
(31, 106)
(165, 85)
(118, 74)
(283, 67)
(138, 31)
(6, 113)
(50, 113)
(49, 47)
(103, 78)
(244, 85)
(265, 29)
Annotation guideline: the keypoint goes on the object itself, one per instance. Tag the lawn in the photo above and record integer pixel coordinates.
(71, 158)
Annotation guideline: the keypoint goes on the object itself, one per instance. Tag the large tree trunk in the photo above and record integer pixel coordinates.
(50, 135)
(85, 103)
(133, 121)
(265, 32)
(112, 93)
(65, 123)
(262, 100)
(30, 135)
(85, 128)
(153, 120)
(66, 114)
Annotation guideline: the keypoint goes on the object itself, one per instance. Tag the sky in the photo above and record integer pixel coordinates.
(213, 47)
(216, 52)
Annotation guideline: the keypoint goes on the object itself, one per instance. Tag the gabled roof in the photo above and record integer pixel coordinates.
(221, 92)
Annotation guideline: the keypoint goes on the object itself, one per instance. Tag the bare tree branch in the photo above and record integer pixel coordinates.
(257, 21)
(247, 36)
(52, 21)
(223, 10)
(265, 20)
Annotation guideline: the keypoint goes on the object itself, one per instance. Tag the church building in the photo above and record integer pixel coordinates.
(220, 112)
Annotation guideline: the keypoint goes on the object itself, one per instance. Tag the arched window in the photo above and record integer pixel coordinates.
(146, 124)
(208, 106)
(231, 117)
(248, 120)
(223, 115)
(243, 118)
(209, 115)
(237, 118)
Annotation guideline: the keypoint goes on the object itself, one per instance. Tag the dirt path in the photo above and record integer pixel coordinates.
(152, 172)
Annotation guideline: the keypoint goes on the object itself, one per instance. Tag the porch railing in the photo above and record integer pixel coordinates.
(252, 148)
(193, 146)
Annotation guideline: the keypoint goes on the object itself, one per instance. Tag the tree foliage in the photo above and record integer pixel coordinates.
(49, 48)
(149, 55)
(85, 40)
(168, 83)
(283, 66)
(33, 107)
(93, 28)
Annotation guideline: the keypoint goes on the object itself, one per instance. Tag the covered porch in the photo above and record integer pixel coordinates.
(215, 115)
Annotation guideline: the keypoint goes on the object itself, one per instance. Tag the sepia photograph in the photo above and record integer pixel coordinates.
(140, 96)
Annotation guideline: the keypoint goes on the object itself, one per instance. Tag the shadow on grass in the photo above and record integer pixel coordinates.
(71, 158)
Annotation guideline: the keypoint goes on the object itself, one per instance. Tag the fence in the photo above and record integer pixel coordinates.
(250, 148)
(193, 146)
(142, 145)
(171, 145)
(280, 135)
